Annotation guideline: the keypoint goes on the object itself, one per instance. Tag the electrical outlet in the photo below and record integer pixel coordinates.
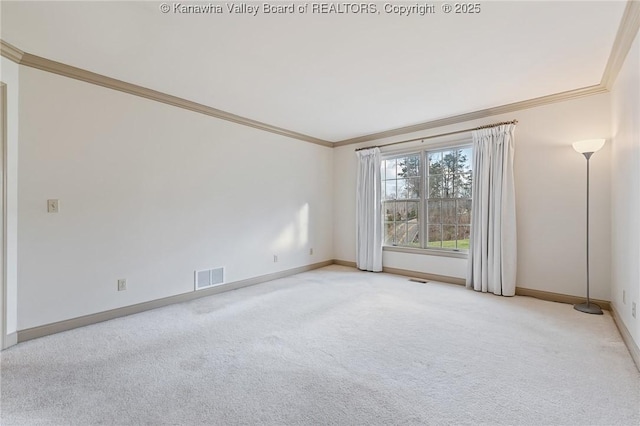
(633, 309)
(52, 206)
(122, 284)
(624, 297)
(310, 252)
(275, 258)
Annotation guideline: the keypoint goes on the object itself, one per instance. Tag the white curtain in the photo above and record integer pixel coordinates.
(368, 211)
(492, 247)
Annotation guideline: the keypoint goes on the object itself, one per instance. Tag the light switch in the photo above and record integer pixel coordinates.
(52, 206)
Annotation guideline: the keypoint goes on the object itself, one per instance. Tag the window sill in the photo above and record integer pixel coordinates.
(428, 252)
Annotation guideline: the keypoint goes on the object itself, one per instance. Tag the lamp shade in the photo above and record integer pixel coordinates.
(589, 145)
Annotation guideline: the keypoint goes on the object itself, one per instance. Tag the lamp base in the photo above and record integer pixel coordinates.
(588, 308)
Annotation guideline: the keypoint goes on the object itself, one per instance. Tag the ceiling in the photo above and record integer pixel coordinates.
(330, 76)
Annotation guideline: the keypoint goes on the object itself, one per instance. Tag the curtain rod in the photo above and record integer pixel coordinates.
(443, 134)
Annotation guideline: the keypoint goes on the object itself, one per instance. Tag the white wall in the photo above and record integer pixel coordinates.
(10, 76)
(625, 194)
(150, 193)
(550, 194)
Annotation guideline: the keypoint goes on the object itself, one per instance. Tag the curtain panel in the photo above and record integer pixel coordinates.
(492, 246)
(369, 211)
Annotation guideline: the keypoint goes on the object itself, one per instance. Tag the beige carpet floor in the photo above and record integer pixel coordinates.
(333, 346)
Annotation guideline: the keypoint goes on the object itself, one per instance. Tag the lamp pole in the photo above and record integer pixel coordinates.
(589, 308)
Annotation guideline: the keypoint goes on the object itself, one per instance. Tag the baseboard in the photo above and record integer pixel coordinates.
(425, 276)
(626, 337)
(57, 327)
(559, 297)
(344, 263)
(10, 339)
(407, 273)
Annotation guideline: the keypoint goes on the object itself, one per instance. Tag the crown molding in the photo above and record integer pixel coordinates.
(10, 52)
(456, 119)
(627, 32)
(69, 71)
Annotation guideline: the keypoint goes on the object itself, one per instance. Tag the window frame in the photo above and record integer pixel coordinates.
(423, 153)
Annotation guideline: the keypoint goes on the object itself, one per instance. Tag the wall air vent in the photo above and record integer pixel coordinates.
(208, 278)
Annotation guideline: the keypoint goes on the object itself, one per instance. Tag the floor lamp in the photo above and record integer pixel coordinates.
(587, 148)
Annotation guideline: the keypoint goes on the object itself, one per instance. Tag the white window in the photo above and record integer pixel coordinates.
(427, 198)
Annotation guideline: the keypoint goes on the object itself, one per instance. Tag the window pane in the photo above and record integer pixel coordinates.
(434, 212)
(449, 236)
(413, 233)
(465, 157)
(413, 224)
(400, 230)
(401, 211)
(435, 163)
(463, 237)
(390, 189)
(409, 166)
(413, 188)
(389, 233)
(410, 234)
(449, 211)
(402, 188)
(412, 210)
(389, 211)
(390, 169)
(447, 186)
(401, 233)
(383, 189)
(463, 189)
(464, 211)
(435, 236)
(455, 183)
(435, 186)
(449, 159)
